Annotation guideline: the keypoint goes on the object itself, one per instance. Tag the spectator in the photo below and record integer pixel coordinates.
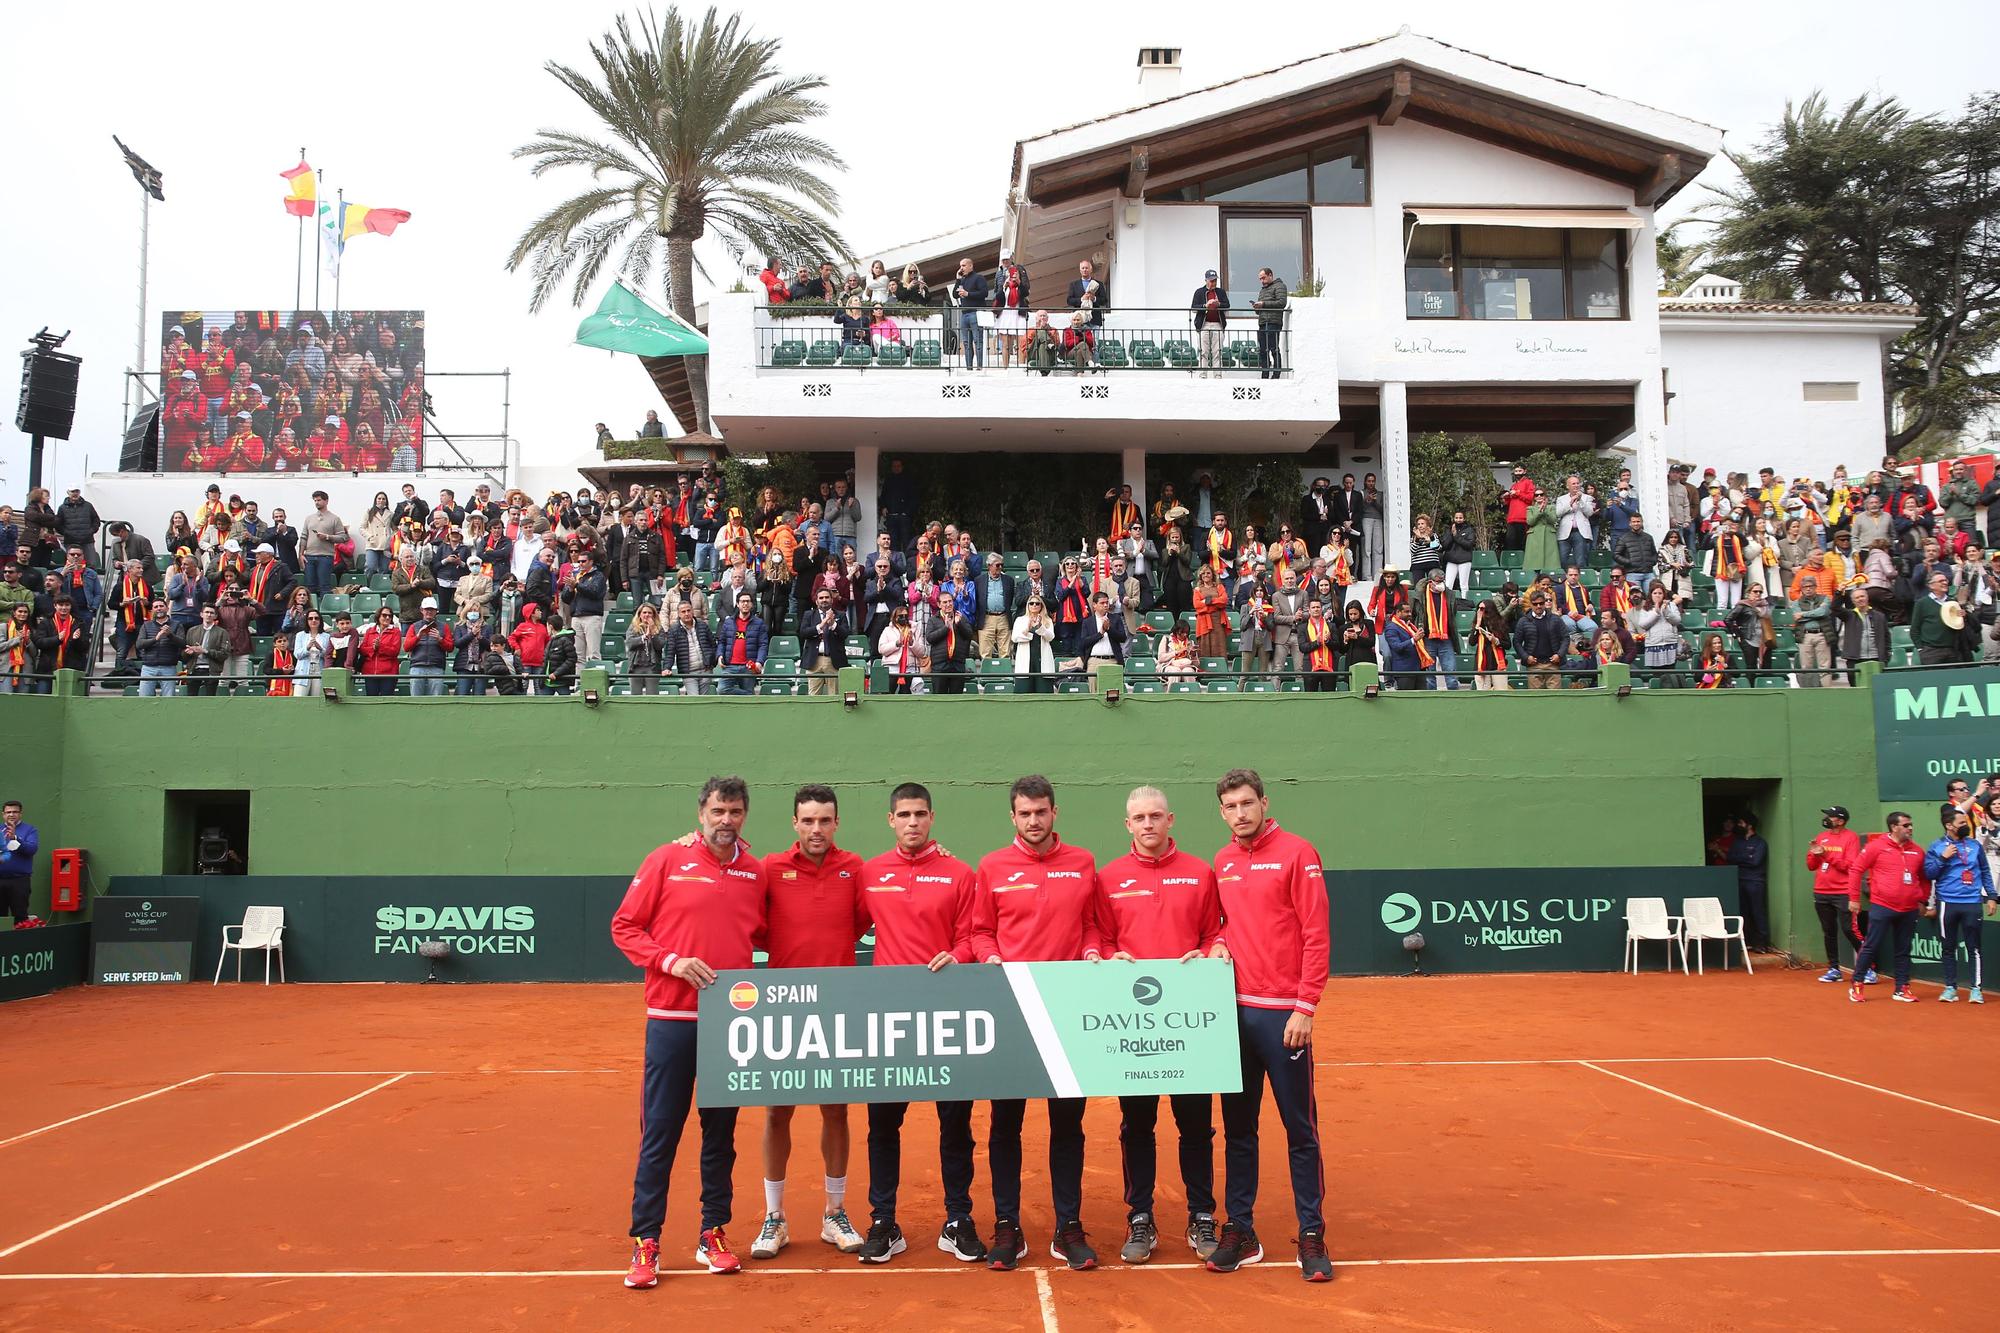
(1426, 552)
(63, 636)
(1177, 657)
(1040, 348)
(1572, 603)
(1727, 561)
(129, 604)
(530, 642)
(205, 650)
(902, 648)
(877, 286)
(77, 524)
(1813, 631)
(323, 532)
(1176, 581)
(1357, 639)
(411, 583)
(1405, 659)
(343, 645)
(1103, 637)
(17, 649)
(1540, 553)
(1288, 609)
(428, 642)
(742, 643)
(1756, 635)
(843, 517)
(472, 639)
(1519, 496)
(969, 293)
(380, 655)
(1615, 602)
(375, 530)
(1489, 647)
(1863, 631)
(992, 600)
(1957, 867)
(690, 649)
(1573, 511)
(1210, 304)
(1034, 654)
(948, 639)
(1539, 641)
(559, 661)
(1436, 631)
(1079, 342)
(1636, 553)
(775, 590)
(1087, 294)
(1712, 671)
(1211, 615)
(853, 324)
(1659, 622)
(1270, 303)
(822, 643)
(160, 651)
(584, 594)
(912, 289)
(1937, 623)
(1458, 544)
(1010, 299)
(18, 844)
(651, 429)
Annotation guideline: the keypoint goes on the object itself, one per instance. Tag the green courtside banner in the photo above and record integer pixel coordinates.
(1932, 726)
(804, 1036)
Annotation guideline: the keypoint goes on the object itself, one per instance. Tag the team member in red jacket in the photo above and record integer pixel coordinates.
(1832, 858)
(1036, 902)
(1158, 901)
(1897, 892)
(689, 912)
(814, 922)
(1275, 927)
(919, 898)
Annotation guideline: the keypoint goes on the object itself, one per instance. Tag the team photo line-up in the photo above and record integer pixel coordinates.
(703, 904)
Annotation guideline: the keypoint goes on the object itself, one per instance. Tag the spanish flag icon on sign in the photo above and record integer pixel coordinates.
(743, 995)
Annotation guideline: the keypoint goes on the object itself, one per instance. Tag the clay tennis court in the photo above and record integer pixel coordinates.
(1548, 1152)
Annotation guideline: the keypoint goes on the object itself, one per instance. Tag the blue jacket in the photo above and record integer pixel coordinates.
(1751, 856)
(756, 641)
(23, 861)
(1966, 878)
(1400, 649)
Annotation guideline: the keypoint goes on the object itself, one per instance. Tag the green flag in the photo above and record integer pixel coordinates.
(624, 323)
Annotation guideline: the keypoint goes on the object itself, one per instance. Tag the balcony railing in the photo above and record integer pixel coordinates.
(1153, 339)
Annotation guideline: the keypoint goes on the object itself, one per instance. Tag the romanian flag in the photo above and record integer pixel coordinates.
(299, 202)
(356, 220)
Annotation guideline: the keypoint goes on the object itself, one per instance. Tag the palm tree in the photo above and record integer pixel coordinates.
(697, 130)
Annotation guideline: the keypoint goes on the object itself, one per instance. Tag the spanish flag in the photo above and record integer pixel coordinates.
(355, 220)
(304, 192)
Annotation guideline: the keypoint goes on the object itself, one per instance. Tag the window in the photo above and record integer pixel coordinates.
(1514, 273)
(1833, 391)
(1254, 240)
(1336, 173)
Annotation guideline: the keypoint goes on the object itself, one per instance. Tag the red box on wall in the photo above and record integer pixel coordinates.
(66, 879)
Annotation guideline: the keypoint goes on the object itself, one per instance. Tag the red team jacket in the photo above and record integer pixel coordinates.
(813, 918)
(1834, 867)
(921, 906)
(1274, 919)
(686, 903)
(1032, 908)
(1158, 908)
(1895, 873)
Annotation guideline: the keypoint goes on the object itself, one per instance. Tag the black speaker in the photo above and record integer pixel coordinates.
(142, 441)
(48, 392)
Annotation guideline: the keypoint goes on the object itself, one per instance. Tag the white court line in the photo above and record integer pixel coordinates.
(1551, 1060)
(1777, 1134)
(1838, 1078)
(407, 1073)
(61, 1227)
(1047, 1295)
(1042, 1274)
(102, 1109)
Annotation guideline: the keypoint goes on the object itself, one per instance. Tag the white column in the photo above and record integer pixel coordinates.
(1649, 450)
(867, 494)
(1134, 463)
(1395, 401)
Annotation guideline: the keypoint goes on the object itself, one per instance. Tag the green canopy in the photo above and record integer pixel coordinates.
(624, 323)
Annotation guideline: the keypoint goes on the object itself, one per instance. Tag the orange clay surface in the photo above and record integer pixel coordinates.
(1554, 1152)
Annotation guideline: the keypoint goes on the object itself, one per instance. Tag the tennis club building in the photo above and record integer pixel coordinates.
(1478, 240)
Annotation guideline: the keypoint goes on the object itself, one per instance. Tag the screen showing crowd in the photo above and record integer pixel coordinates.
(292, 390)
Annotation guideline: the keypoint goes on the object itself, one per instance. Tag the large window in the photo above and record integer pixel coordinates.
(1335, 173)
(1254, 239)
(1514, 273)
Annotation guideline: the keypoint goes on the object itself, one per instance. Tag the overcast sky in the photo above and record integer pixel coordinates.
(418, 106)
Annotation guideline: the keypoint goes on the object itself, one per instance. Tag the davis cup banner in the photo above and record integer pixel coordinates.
(973, 1032)
(1932, 726)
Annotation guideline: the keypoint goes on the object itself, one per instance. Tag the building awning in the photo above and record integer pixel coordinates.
(1616, 218)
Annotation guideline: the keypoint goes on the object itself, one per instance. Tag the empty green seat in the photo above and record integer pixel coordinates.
(1215, 664)
(857, 648)
(928, 352)
(825, 352)
(1245, 353)
(1181, 353)
(1146, 354)
(1111, 352)
(856, 354)
(1152, 685)
(789, 353)
(332, 604)
(1184, 687)
(364, 605)
(785, 646)
(1159, 621)
(777, 687)
(1069, 686)
(1134, 662)
(893, 354)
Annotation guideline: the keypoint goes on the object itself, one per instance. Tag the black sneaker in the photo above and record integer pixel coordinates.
(885, 1241)
(1071, 1247)
(1201, 1237)
(960, 1240)
(1312, 1257)
(1141, 1239)
(1237, 1248)
(1009, 1247)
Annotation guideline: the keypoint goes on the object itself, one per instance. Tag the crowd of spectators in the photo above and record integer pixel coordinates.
(684, 587)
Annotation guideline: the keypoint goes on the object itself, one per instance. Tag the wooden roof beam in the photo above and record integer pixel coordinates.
(1399, 97)
(1135, 172)
(1663, 178)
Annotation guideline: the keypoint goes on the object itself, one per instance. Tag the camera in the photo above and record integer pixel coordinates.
(211, 853)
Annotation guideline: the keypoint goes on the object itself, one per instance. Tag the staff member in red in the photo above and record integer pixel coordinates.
(1036, 902)
(1832, 859)
(919, 898)
(1159, 902)
(1897, 892)
(689, 912)
(1275, 925)
(814, 922)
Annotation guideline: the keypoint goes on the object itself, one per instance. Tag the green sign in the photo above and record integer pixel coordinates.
(976, 1032)
(624, 323)
(35, 962)
(1934, 725)
(1549, 919)
(143, 941)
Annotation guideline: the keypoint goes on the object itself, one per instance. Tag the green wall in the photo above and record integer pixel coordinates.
(551, 787)
(32, 751)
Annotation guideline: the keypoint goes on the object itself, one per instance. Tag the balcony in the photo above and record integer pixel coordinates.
(780, 382)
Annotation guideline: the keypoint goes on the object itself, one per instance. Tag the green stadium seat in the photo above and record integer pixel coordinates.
(332, 604)
(788, 353)
(1216, 664)
(364, 605)
(1068, 686)
(1265, 686)
(380, 583)
(627, 602)
(1484, 560)
(1137, 663)
(1184, 687)
(825, 352)
(893, 354)
(613, 648)
(1146, 355)
(857, 648)
(1244, 352)
(785, 646)
(1221, 685)
(1111, 353)
(1160, 622)
(777, 687)
(857, 354)
(927, 353)
(1051, 561)
(1151, 685)
(1181, 353)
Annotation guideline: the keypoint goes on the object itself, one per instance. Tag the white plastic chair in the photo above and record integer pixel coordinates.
(1647, 919)
(262, 928)
(1703, 919)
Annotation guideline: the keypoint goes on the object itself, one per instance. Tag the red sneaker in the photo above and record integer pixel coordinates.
(1854, 994)
(714, 1253)
(644, 1274)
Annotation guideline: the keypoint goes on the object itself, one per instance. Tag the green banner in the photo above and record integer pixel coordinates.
(47, 958)
(1549, 919)
(1933, 725)
(976, 1032)
(624, 323)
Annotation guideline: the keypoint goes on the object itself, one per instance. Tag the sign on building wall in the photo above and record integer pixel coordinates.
(974, 1032)
(1932, 726)
(35, 962)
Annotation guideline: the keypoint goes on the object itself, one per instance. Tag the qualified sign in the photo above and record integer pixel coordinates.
(974, 1032)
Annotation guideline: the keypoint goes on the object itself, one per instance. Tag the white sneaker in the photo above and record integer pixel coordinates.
(837, 1231)
(772, 1237)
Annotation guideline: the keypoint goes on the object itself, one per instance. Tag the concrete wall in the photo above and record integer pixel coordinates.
(541, 787)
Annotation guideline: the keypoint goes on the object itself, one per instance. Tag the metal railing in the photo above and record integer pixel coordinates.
(1153, 339)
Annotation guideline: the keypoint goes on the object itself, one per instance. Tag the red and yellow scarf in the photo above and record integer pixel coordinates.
(260, 581)
(1487, 654)
(1729, 559)
(1220, 544)
(133, 598)
(1319, 645)
(1382, 609)
(1402, 618)
(1437, 611)
(1621, 597)
(1342, 569)
(1575, 599)
(1123, 515)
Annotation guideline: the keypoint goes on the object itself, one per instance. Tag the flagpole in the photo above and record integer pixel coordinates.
(145, 241)
(340, 221)
(318, 231)
(299, 260)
